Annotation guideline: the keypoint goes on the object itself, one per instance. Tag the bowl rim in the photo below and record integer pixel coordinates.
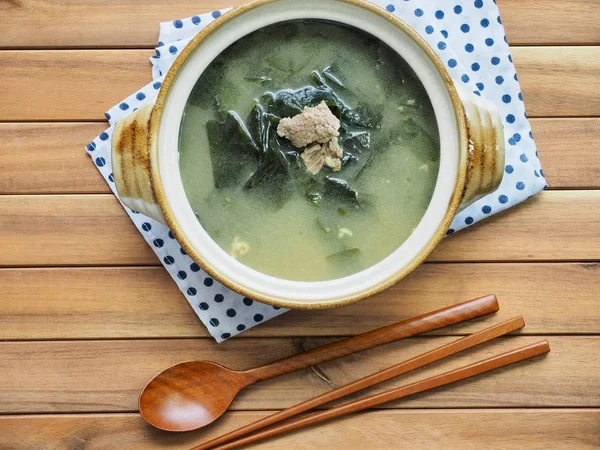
(401, 272)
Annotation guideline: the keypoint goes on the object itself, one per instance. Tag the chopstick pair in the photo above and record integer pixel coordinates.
(242, 435)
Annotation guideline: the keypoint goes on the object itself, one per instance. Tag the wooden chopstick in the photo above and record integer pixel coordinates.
(443, 379)
(373, 379)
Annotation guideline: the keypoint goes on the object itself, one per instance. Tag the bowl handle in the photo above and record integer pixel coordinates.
(131, 163)
(485, 152)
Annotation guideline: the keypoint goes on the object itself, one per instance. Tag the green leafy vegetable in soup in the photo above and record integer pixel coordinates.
(309, 150)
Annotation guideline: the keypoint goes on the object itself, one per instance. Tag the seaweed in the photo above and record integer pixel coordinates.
(344, 256)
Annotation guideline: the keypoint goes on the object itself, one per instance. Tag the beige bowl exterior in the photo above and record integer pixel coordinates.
(139, 184)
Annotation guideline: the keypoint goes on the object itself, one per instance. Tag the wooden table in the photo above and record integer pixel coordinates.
(77, 343)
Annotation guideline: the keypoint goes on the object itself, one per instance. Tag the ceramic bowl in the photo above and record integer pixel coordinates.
(147, 176)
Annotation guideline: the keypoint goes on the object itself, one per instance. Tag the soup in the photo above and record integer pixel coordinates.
(309, 150)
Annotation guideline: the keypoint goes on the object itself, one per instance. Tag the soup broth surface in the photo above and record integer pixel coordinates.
(279, 226)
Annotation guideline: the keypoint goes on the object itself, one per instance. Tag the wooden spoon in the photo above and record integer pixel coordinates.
(192, 394)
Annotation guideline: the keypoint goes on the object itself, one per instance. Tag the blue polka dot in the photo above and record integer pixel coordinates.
(465, 78)
(535, 172)
(390, 8)
(449, 232)
(168, 260)
(503, 199)
(172, 49)
(541, 172)
(241, 327)
(158, 243)
(248, 301)
(208, 282)
(123, 106)
(444, 33)
(157, 85)
(531, 135)
(480, 86)
(225, 336)
(520, 96)
(177, 23)
(429, 29)
(90, 147)
(510, 58)
(495, 60)
(509, 169)
(103, 136)
(520, 185)
(457, 9)
(214, 322)
(477, 93)
(523, 157)
(511, 141)
(418, 12)
(469, 48)
(140, 96)
(484, 23)
(276, 308)
(160, 43)
(469, 220)
(510, 118)
(107, 115)
(499, 79)
(182, 251)
(475, 67)
(505, 40)
(181, 275)
(100, 162)
(506, 98)
(219, 298)
(196, 20)
(111, 178)
(157, 51)
(439, 14)
(486, 209)
(203, 306)
(192, 291)
(171, 235)
(478, 3)
(258, 317)
(499, 20)
(231, 312)
(516, 77)
(194, 267)
(465, 28)
(452, 62)
(133, 211)
(517, 137)
(216, 14)
(489, 42)
(441, 45)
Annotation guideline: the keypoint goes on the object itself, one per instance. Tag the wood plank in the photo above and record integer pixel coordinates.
(569, 152)
(483, 429)
(58, 230)
(559, 81)
(94, 230)
(48, 157)
(88, 303)
(40, 158)
(43, 23)
(106, 376)
(556, 81)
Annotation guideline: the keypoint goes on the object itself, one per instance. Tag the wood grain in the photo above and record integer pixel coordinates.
(107, 376)
(482, 429)
(94, 230)
(37, 158)
(145, 303)
(44, 23)
(556, 81)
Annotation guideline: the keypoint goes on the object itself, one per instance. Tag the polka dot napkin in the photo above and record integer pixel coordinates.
(469, 38)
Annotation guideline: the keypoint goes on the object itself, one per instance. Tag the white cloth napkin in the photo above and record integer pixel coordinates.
(469, 38)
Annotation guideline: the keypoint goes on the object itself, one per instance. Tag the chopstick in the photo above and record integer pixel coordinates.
(373, 379)
(478, 368)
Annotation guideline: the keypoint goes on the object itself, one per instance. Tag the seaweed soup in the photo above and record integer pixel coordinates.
(251, 188)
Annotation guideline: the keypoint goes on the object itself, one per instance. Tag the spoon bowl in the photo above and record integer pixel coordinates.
(189, 395)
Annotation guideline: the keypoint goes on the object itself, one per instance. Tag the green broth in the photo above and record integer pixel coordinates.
(292, 238)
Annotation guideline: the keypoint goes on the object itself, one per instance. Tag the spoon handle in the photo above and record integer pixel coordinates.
(421, 324)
